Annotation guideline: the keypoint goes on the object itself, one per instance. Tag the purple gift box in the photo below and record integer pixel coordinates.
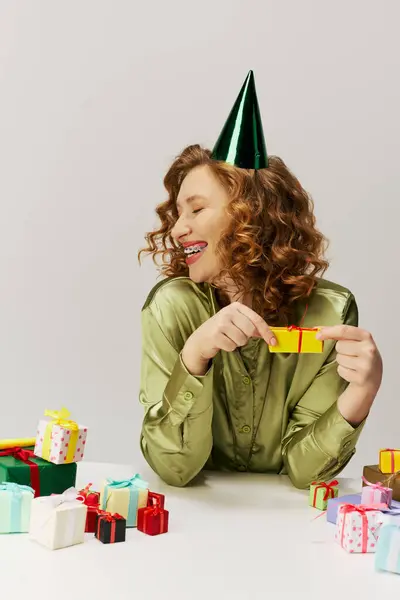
(334, 503)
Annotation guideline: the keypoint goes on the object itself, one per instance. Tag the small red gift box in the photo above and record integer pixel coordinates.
(91, 499)
(153, 518)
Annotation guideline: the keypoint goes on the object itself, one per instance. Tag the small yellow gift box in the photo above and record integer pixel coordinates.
(296, 339)
(389, 460)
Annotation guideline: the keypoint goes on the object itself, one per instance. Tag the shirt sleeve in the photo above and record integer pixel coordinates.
(176, 436)
(319, 442)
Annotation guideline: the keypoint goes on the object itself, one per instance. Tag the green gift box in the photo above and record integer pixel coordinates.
(20, 465)
(320, 492)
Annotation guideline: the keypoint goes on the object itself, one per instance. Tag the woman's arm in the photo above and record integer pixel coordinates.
(319, 441)
(176, 437)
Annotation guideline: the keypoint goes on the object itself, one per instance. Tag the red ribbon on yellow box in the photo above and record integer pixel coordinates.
(296, 339)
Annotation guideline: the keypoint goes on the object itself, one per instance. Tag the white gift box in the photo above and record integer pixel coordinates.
(60, 440)
(58, 521)
(358, 531)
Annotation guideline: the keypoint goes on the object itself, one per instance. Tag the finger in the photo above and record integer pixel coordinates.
(343, 332)
(258, 323)
(350, 362)
(244, 324)
(348, 374)
(223, 342)
(235, 334)
(348, 348)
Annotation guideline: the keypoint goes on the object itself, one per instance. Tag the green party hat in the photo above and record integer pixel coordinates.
(241, 142)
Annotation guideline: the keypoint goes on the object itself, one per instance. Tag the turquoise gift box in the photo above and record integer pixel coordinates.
(387, 556)
(15, 507)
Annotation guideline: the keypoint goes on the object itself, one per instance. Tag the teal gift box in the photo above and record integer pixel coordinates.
(387, 555)
(125, 497)
(15, 507)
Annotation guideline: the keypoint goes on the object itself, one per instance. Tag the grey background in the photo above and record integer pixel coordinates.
(96, 98)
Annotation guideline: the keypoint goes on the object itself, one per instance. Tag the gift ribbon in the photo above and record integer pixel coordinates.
(362, 510)
(24, 456)
(112, 518)
(70, 495)
(391, 479)
(60, 417)
(15, 490)
(134, 484)
(328, 487)
(392, 457)
(300, 330)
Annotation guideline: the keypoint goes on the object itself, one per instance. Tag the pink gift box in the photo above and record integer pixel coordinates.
(375, 493)
(357, 527)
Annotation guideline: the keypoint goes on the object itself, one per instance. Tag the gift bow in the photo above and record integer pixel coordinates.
(376, 486)
(329, 491)
(107, 516)
(60, 417)
(18, 453)
(25, 455)
(91, 498)
(70, 495)
(15, 488)
(135, 481)
(300, 330)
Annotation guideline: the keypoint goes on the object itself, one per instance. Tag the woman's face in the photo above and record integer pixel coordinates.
(201, 206)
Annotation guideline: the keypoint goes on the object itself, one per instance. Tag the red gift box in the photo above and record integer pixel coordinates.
(152, 520)
(92, 500)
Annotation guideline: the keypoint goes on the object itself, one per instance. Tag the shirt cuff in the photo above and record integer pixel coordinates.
(187, 394)
(334, 435)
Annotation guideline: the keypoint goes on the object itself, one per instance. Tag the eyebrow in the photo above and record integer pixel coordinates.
(191, 199)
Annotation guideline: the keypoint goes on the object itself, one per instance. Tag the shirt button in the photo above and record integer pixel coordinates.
(188, 395)
(245, 429)
(246, 380)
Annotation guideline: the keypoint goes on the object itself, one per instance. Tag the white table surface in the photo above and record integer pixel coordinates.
(232, 536)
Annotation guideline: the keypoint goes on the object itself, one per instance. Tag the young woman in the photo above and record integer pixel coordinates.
(241, 253)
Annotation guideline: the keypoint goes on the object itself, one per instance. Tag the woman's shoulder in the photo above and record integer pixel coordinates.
(178, 302)
(331, 303)
(176, 290)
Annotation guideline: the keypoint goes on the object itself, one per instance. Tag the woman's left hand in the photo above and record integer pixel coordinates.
(358, 358)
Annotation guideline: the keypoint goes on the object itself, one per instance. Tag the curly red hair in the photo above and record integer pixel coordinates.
(271, 248)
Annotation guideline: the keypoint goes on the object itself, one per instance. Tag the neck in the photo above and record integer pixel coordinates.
(231, 293)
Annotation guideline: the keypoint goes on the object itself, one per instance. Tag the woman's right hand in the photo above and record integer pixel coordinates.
(230, 328)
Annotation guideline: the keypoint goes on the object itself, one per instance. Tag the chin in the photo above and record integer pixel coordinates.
(197, 277)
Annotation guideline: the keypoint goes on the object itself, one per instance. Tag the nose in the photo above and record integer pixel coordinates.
(180, 229)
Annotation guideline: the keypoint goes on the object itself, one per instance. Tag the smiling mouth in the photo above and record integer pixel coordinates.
(193, 253)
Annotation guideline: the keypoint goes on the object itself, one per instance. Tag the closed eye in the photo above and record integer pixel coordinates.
(197, 210)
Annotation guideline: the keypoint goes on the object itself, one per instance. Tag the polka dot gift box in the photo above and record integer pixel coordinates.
(60, 440)
(357, 527)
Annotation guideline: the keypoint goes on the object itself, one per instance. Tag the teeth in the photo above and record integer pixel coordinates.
(193, 249)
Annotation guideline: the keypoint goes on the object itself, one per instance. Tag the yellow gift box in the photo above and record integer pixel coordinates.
(17, 443)
(125, 497)
(389, 460)
(296, 339)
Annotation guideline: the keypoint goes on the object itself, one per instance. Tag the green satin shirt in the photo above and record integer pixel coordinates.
(253, 410)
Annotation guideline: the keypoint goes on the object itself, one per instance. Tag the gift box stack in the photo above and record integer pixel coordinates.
(38, 493)
(368, 522)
